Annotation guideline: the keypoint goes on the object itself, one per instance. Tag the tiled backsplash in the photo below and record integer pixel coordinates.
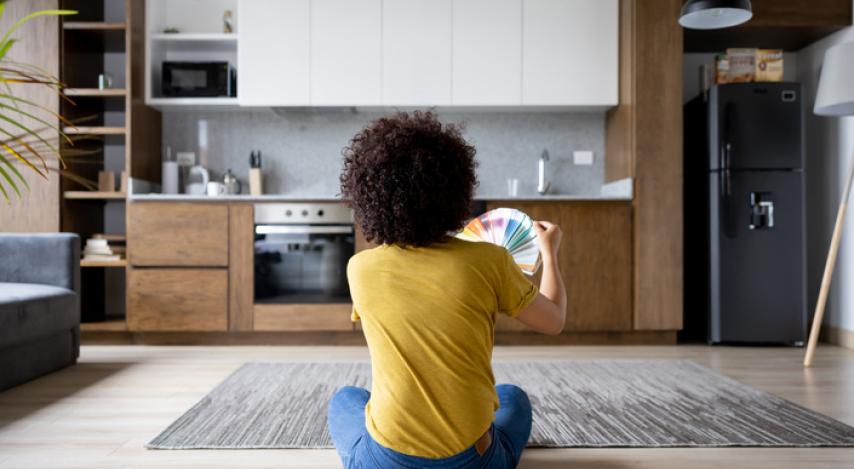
(302, 148)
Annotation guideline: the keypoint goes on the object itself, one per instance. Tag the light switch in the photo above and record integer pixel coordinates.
(582, 157)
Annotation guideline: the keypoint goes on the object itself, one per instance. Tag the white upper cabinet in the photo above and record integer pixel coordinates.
(407, 53)
(346, 52)
(417, 55)
(274, 52)
(570, 52)
(487, 49)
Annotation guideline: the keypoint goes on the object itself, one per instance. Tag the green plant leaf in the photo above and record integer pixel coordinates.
(37, 106)
(20, 158)
(32, 15)
(6, 46)
(26, 130)
(35, 118)
(11, 182)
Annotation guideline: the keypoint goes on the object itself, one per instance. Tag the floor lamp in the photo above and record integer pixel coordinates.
(835, 98)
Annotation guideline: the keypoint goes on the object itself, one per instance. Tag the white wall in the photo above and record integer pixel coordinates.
(830, 144)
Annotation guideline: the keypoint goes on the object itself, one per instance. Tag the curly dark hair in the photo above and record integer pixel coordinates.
(409, 179)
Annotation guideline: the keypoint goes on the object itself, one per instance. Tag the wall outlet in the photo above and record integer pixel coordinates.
(185, 158)
(584, 158)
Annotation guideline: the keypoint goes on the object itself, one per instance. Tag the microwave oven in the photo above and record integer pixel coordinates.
(198, 79)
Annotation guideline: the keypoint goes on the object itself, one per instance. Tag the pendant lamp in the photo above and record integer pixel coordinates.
(714, 14)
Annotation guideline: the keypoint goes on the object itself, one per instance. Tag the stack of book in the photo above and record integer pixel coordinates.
(104, 248)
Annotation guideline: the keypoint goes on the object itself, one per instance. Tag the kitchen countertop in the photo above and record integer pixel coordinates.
(620, 190)
(308, 198)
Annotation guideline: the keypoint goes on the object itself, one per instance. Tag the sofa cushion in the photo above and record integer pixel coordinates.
(30, 311)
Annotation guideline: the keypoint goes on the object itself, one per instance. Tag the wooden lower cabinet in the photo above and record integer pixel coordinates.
(177, 299)
(595, 260)
(177, 234)
(303, 317)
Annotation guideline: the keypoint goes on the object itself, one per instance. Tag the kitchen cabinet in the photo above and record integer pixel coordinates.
(416, 43)
(177, 234)
(241, 267)
(570, 52)
(274, 52)
(487, 50)
(346, 52)
(177, 299)
(303, 317)
(595, 260)
(401, 52)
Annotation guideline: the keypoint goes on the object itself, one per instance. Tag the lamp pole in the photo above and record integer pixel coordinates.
(828, 270)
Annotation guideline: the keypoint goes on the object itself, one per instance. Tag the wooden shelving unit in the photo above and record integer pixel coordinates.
(92, 130)
(94, 195)
(93, 25)
(108, 325)
(88, 263)
(95, 92)
(118, 132)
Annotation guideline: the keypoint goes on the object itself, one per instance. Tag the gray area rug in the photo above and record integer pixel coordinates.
(594, 403)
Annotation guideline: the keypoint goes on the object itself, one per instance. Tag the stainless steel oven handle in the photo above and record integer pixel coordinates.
(303, 229)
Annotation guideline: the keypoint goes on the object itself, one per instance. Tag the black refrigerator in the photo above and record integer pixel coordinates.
(744, 214)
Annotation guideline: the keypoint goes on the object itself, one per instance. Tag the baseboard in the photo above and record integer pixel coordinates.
(837, 336)
(356, 338)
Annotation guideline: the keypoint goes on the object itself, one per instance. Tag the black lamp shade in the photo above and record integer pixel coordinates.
(714, 14)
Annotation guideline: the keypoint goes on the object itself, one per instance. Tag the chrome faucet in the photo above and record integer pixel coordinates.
(543, 185)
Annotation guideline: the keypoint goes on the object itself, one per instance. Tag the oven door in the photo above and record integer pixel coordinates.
(302, 264)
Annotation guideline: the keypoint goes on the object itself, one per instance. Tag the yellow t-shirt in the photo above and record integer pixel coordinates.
(428, 315)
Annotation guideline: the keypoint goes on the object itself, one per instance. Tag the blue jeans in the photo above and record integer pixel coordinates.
(510, 432)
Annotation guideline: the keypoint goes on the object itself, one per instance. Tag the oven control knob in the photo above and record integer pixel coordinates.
(305, 213)
(320, 213)
(288, 213)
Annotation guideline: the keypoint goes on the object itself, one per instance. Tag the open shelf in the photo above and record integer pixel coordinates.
(95, 92)
(94, 130)
(195, 37)
(94, 195)
(109, 325)
(165, 102)
(90, 263)
(93, 25)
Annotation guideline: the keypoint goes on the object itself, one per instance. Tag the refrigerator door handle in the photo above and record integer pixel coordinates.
(726, 183)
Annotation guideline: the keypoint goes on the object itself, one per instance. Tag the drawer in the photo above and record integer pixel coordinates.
(177, 234)
(303, 317)
(177, 299)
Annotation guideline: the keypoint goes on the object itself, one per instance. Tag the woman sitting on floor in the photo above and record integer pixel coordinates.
(428, 303)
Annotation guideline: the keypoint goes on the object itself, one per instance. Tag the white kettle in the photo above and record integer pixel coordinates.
(197, 181)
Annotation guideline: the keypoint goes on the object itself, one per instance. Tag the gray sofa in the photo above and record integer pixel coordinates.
(39, 304)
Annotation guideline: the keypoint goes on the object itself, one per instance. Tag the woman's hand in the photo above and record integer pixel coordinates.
(547, 314)
(549, 238)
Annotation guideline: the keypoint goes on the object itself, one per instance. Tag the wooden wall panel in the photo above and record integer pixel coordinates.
(177, 299)
(241, 269)
(37, 44)
(620, 120)
(643, 140)
(177, 234)
(799, 13)
(658, 165)
(143, 154)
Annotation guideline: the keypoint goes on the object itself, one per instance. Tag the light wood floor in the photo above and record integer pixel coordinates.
(99, 413)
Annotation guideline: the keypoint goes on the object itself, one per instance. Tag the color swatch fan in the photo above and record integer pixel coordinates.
(511, 229)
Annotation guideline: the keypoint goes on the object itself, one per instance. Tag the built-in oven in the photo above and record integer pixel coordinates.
(301, 252)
